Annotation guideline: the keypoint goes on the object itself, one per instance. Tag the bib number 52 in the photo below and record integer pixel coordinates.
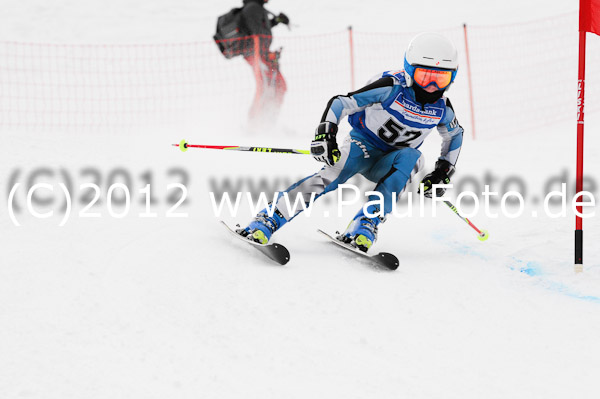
(390, 131)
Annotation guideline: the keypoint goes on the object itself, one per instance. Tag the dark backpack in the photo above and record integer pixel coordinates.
(230, 32)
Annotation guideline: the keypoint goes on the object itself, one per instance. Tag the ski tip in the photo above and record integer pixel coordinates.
(389, 260)
(283, 256)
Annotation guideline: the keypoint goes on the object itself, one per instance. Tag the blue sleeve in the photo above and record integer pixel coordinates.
(341, 106)
(452, 135)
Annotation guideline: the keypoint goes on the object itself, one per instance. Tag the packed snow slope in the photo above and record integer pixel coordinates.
(150, 308)
(155, 307)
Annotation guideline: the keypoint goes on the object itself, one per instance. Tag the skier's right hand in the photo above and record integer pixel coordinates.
(324, 147)
(282, 19)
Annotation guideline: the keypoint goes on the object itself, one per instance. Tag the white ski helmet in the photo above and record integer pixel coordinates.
(430, 50)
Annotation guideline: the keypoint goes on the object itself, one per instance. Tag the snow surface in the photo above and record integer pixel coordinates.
(174, 307)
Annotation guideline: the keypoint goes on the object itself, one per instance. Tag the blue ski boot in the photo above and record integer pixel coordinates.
(263, 226)
(362, 231)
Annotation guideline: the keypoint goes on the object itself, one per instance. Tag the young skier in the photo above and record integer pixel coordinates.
(390, 117)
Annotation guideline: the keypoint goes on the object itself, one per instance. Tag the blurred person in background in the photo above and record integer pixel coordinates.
(270, 84)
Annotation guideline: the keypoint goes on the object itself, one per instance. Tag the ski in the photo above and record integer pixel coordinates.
(276, 252)
(384, 259)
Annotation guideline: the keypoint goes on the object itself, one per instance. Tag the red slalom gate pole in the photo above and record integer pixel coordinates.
(470, 82)
(579, 177)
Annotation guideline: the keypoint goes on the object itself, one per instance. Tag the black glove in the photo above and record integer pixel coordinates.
(281, 19)
(324, 147)
(441, 175)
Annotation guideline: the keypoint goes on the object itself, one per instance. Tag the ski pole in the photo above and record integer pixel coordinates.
(183, 146)
(482, 235)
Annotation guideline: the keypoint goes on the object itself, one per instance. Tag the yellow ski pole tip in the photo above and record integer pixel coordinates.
(483, 236)
(183, 146)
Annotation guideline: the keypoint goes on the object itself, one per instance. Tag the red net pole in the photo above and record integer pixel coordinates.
(579, 179)
(470, 81)
(351, 42)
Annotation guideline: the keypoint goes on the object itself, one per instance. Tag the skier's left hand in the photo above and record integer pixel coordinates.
(441, 175)
(324, 147)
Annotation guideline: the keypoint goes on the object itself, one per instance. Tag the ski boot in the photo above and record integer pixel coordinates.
(263, 226)
(362, 231)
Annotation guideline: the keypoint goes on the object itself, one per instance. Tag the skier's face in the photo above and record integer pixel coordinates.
(431, 89)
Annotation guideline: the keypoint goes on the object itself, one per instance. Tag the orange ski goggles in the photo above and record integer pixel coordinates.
(427, 76)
